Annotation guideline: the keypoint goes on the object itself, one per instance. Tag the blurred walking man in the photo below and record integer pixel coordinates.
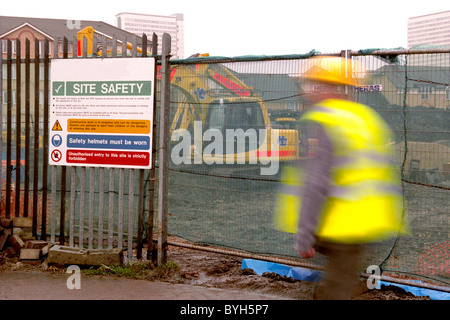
(351, 193)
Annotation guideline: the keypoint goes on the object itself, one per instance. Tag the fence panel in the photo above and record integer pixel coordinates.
(231, 205)
(119, 193)
(414, 100)
(22, 134)
(104, 205)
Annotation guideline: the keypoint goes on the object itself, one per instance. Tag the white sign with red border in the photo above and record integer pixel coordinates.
(101, 112)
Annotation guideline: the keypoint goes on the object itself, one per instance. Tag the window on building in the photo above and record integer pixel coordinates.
(5, 46)
(13, 97)
(61, 47)
(41, 48)
(41, 72)
(425, 92)
(5, 71)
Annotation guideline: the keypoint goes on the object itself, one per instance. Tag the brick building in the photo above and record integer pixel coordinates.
(21, 28)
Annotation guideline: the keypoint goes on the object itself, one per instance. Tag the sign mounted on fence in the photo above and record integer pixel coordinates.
(101, 112)
(369, 88)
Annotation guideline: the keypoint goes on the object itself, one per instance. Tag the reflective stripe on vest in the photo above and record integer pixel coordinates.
(288, 200)
(361, 189)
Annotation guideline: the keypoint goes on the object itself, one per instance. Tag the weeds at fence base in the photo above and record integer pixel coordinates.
(136, 270)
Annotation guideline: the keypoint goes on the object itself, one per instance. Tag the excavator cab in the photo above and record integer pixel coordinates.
(246, 118)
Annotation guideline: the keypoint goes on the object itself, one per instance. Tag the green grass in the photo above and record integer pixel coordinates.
(136, 270)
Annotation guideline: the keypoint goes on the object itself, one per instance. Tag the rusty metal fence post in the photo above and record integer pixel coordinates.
(8, 127)
(164, 149)
(1, 113)
(152, 182)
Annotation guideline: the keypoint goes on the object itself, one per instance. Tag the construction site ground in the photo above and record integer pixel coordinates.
(200, 275)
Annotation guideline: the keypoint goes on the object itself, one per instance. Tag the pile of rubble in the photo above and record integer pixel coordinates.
(17, 243)
(16, 240)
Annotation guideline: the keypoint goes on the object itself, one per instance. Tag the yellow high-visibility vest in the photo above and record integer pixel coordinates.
(365, 200)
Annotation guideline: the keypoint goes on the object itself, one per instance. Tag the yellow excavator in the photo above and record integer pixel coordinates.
(213, 97)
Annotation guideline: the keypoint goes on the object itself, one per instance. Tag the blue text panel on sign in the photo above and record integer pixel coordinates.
(108, 142)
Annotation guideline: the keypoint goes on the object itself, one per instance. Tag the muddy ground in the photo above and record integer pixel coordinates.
(224, 271)
(217, 270)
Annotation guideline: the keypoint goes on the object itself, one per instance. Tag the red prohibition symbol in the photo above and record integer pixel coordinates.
(56, 155)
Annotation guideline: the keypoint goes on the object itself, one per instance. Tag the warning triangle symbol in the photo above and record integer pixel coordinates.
(56, 126)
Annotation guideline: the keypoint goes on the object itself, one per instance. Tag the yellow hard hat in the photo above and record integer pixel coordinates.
(331, 70)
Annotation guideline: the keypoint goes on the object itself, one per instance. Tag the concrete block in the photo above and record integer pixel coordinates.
(64, 255)
(67, 255)
(35, 244)
(108, 257)
(44, 250)
(23, 232)
(16, 242)
(5, 223)
(30, 254)
(3, 239)
(22, 222)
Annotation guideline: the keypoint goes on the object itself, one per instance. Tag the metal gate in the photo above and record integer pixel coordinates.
(75, 206)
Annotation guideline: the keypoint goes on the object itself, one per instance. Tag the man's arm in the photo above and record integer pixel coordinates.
(314, 195)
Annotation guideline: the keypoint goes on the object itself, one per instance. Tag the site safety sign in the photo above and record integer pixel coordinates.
(101, 112)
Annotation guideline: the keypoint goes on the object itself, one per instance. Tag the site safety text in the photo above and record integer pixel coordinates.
(102, 88)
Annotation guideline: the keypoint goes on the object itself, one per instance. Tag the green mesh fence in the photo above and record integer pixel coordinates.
(231, 204)
(415, 102)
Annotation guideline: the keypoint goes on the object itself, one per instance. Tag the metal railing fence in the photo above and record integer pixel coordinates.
(85, 206)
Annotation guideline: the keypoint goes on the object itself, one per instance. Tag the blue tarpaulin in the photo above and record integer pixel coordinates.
(417, 291)
(298, 273)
